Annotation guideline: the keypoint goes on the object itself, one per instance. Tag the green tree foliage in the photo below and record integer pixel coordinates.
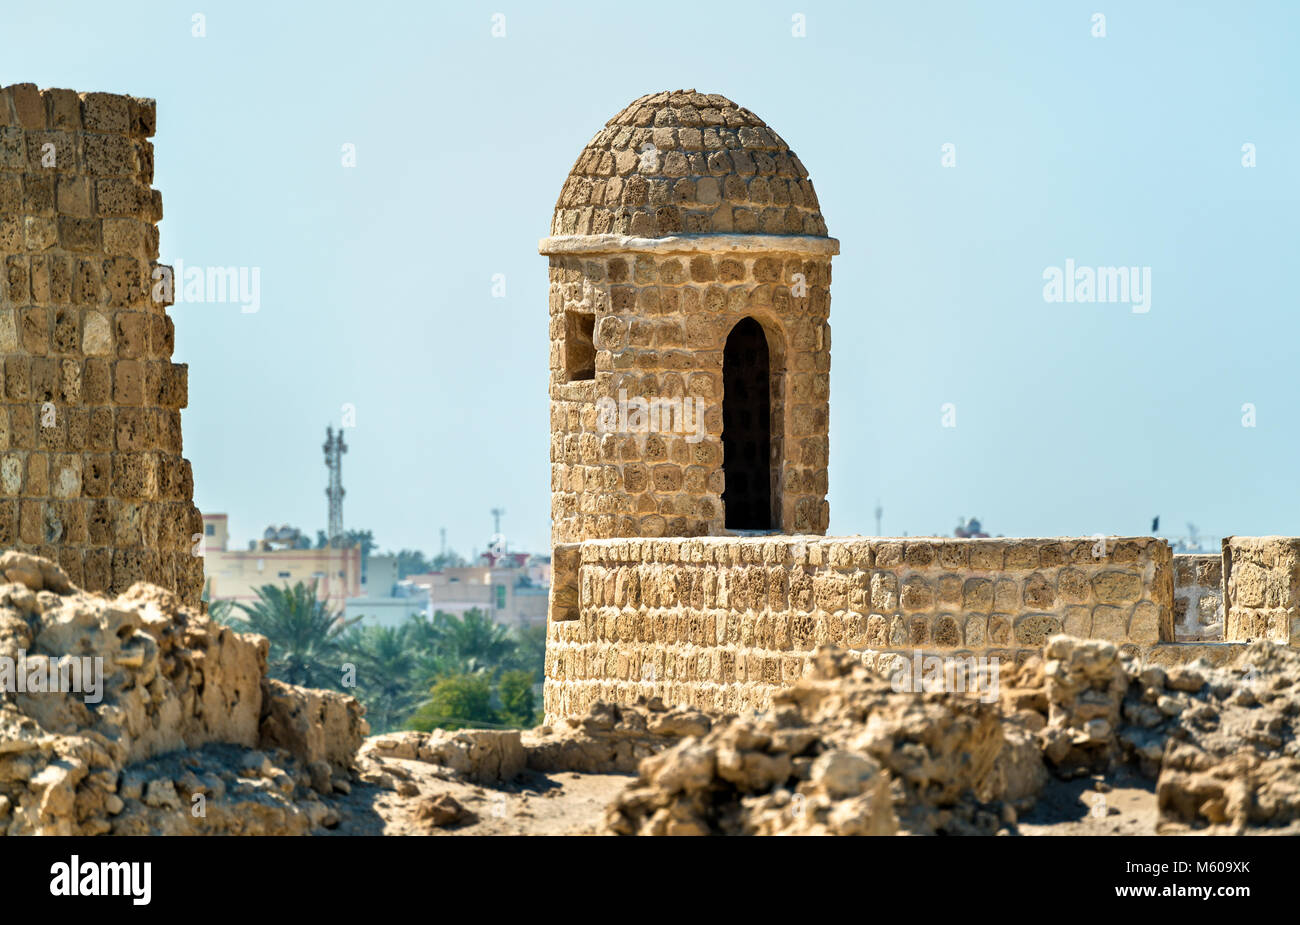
(448, 559)
(412, 562)
(457, 702)
(224, 612)
(515, 691)
(472, 642)
(455, 657)
(363, 538)
(452, 671)
(304, 633)
(384, 660)
(530, 648)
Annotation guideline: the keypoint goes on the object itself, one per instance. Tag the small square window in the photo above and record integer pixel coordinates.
(579, 346)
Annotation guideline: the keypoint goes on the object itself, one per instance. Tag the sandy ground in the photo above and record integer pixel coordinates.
(573, 804)
(1125, 804)
(568, 803)
(533, 804)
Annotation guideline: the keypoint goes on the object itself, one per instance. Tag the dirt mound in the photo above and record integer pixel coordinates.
(98, 696)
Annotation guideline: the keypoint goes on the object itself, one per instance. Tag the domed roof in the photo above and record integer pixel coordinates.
(683, 162)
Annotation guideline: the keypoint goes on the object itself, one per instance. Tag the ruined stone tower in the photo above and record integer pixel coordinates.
(91, 472)
(690, 348)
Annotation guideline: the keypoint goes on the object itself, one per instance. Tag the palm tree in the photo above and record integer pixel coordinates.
(469, 644)
(305, 634)
(223, 612)
(385, 661)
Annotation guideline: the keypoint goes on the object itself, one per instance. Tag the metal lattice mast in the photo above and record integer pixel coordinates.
(334, 450)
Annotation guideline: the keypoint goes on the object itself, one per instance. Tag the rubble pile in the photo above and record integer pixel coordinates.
(137, 715)
(164, 721)
(610, 738)
(483, 756)
(1220, 742)
(841, 752)
(1226, 738)
(613, 738)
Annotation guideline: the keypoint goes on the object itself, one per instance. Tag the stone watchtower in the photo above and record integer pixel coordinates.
(690, 275)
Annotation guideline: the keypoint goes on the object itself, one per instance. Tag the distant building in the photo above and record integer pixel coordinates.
(234, 575)
(511, 588)
(385, 599)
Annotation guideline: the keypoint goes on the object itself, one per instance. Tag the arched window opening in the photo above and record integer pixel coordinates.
(746, 429)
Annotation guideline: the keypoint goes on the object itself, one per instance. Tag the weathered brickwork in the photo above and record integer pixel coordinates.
(91, 472)
(689, 280)
(690, 268)
(685, 163)
(718, 623)
(1198, 598)
(661, 322)
(1262, 588)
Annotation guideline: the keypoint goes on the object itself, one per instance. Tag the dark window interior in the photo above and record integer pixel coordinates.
(746, 419)
(579, 346)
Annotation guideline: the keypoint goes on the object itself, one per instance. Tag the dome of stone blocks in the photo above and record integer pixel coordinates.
(682, 162)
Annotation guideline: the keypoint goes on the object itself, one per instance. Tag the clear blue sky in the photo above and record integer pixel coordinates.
(376, 280)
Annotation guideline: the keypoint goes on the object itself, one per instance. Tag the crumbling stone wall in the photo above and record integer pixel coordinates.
(1198, 598)
(719, 623)
(1261, 581)
(91, 472)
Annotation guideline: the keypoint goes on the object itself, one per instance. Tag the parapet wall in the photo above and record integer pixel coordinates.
(1261, 581)
(718, 623)
(91, 473)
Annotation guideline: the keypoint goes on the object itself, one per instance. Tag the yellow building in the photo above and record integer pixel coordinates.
(234, 575)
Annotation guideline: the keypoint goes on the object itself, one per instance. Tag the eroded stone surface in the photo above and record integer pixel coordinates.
(91, 467)
(185, 711)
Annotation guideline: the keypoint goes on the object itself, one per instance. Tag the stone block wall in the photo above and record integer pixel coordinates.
(91, 472)
(1198, 598)
(1261, 580)
(718, 623)
(658, 323)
